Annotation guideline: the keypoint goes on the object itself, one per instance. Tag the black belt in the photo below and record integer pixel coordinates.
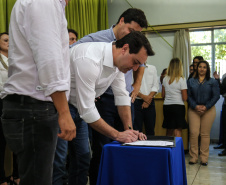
(22, 99)
(107, 95)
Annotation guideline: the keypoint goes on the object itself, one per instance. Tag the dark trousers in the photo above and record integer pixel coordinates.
(223, 120)
(108, 111)
(30, 127)
(59, 163)
(2, 154)
(146, 116)
(221, 129)
(2, 150)
(79, 151)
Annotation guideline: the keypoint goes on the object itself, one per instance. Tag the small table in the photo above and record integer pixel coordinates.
(132, 165)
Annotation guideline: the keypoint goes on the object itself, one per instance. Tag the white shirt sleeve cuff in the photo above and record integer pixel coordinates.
(51, 88)
(91, 117)
(154, 89)
(122, 101)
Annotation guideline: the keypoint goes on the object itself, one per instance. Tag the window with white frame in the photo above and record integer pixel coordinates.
(211, 45)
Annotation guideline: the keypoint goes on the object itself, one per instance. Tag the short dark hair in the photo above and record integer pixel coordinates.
(73, 31)
(192, 65)
(4, 33)
(207, 72)
(198, 57)
(136, 41)
(164, 72)
(136, 15)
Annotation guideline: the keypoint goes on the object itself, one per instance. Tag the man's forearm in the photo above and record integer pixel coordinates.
(102, 127)
(60, 101)
(67, 126)
(127, 136)
(138, 75)
(152, 94)
(125, 115)
(147, 98)
(140, 95)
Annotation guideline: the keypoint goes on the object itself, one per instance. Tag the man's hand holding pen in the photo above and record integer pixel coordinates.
(141, 136)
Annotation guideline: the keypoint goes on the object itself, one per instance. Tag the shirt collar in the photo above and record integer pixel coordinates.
(112, 33)
(4, 57)
(108, 57)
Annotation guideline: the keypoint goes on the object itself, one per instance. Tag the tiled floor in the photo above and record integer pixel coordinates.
(213, 174)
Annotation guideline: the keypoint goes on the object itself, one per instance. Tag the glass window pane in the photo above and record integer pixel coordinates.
(204, 51)
(200, 37)
(220, 59)
(220, 35)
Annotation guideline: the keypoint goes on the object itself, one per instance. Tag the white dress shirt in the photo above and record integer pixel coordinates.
(3, 72)
(149, 81)
(92, 72)
(38, 49)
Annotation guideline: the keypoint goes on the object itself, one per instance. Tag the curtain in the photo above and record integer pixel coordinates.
(182, 49)
(84, 16)
(87, 16)
(3, 16)
(5, 11)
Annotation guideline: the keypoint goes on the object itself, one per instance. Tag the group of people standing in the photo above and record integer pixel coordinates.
(202, 92)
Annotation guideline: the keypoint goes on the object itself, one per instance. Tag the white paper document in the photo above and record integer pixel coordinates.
(150, 143)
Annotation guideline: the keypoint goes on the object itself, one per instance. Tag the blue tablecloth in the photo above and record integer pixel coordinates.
(132, 165)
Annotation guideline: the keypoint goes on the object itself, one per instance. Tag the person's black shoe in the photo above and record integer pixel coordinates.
(220, 146)
(204, 164)
(191, 163)
(222, 153)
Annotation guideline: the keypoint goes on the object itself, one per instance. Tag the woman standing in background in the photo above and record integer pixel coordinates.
(174, 92)
(203, 93)
(163, 74)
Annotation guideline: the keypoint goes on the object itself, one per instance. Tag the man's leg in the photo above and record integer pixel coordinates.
(221, 136)
(149, 119)
(59, 164)
(2, 150)
(108, 111)
(31, 132)
(138, 118)
(79, 152)
(223, 153)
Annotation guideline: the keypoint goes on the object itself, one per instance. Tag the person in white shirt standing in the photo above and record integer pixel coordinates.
(174, 92)
(35, 94)
(144, 104)
(96, 66)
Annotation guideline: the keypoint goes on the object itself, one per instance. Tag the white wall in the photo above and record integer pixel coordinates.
(159, 12)
(163, 52)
